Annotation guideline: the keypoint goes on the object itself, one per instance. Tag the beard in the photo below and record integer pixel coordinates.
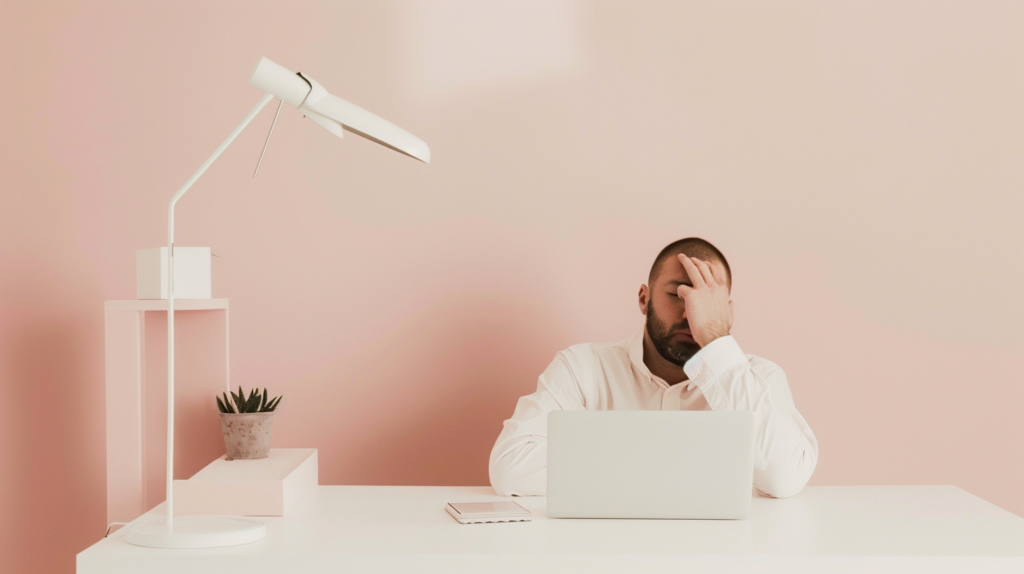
(661, 334)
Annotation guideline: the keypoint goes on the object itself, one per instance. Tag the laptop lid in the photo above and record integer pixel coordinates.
(650, 464)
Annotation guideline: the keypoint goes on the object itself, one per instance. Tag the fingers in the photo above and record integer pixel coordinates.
(719, 273)
(691, 271)
(705, 271)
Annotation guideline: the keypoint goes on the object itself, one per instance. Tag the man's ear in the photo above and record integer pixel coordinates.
(645, 298)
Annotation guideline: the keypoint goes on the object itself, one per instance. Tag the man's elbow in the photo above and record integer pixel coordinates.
(785, 480)
(501, 485)
(509, 479)
(781, 488)
(499, 477)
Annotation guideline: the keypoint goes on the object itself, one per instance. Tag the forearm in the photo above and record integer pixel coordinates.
(518, 463)
(786, 451)
(788, 456)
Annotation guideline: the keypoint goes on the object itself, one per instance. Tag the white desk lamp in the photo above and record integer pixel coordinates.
(335, 115)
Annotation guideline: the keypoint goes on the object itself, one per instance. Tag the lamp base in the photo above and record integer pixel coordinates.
(194, 532)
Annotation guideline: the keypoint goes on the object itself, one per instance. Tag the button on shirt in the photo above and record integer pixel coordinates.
(614, 377)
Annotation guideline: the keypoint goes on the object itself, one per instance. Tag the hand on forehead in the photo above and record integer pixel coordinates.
(703, 273)
(673, 270)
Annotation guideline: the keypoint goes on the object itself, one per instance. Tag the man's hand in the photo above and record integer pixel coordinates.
(708, 307)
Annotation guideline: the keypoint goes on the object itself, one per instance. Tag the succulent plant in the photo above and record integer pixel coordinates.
(256, 402)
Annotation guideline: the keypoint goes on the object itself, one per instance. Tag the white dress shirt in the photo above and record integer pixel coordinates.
(614, 377)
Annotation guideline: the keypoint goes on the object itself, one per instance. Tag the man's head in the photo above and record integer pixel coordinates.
(667, 326)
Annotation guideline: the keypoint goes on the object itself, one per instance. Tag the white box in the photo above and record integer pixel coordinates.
(192, 277)
(263, 487)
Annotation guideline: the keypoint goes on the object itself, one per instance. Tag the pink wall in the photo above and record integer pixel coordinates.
(859, 162)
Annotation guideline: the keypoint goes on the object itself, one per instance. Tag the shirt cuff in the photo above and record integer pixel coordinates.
(715, 358)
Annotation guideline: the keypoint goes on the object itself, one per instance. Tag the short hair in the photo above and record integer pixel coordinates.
(692, 247)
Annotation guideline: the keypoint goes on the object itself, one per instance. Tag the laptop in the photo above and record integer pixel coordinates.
(650, 464)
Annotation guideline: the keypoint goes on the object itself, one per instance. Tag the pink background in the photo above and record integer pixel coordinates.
(860, 163)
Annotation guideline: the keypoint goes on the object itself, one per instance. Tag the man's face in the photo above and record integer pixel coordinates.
(666, 314)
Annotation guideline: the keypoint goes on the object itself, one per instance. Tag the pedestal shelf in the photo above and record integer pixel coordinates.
(129, 464)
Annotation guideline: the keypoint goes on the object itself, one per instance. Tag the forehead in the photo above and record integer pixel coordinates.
(672, 271)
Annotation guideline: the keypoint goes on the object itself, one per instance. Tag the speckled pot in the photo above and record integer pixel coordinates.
(247, 435)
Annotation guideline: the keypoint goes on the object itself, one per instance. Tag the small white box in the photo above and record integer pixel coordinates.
(263, 487)
(192, 277)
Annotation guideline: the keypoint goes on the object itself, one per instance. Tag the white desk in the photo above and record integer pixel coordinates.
(405, 529)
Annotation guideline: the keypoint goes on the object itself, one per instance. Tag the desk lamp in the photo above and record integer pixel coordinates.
(335, 115)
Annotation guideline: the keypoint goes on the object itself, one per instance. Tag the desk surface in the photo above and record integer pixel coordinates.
(391, 528)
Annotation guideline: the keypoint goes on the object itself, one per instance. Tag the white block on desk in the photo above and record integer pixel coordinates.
(192, 273)
(263, 487)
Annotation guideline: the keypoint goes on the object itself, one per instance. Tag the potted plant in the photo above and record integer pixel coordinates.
(247, 423)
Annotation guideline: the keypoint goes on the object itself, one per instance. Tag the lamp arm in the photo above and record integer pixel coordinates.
(170, 295)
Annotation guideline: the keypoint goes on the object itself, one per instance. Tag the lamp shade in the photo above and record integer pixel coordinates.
(331, 112)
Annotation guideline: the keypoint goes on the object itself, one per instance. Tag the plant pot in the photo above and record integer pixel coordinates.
(247, 435)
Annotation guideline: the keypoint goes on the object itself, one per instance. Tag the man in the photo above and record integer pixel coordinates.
(683, 359)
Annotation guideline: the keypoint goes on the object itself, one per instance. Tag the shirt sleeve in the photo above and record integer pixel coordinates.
(786, 451)
(519, 459)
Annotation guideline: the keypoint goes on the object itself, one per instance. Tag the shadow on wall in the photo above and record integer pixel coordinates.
(49, 455)
(438, 404)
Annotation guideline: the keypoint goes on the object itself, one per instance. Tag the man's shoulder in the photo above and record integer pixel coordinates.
(762, 365)
(593, 365)
(586, 352)
(774, 376)
(768, 370)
